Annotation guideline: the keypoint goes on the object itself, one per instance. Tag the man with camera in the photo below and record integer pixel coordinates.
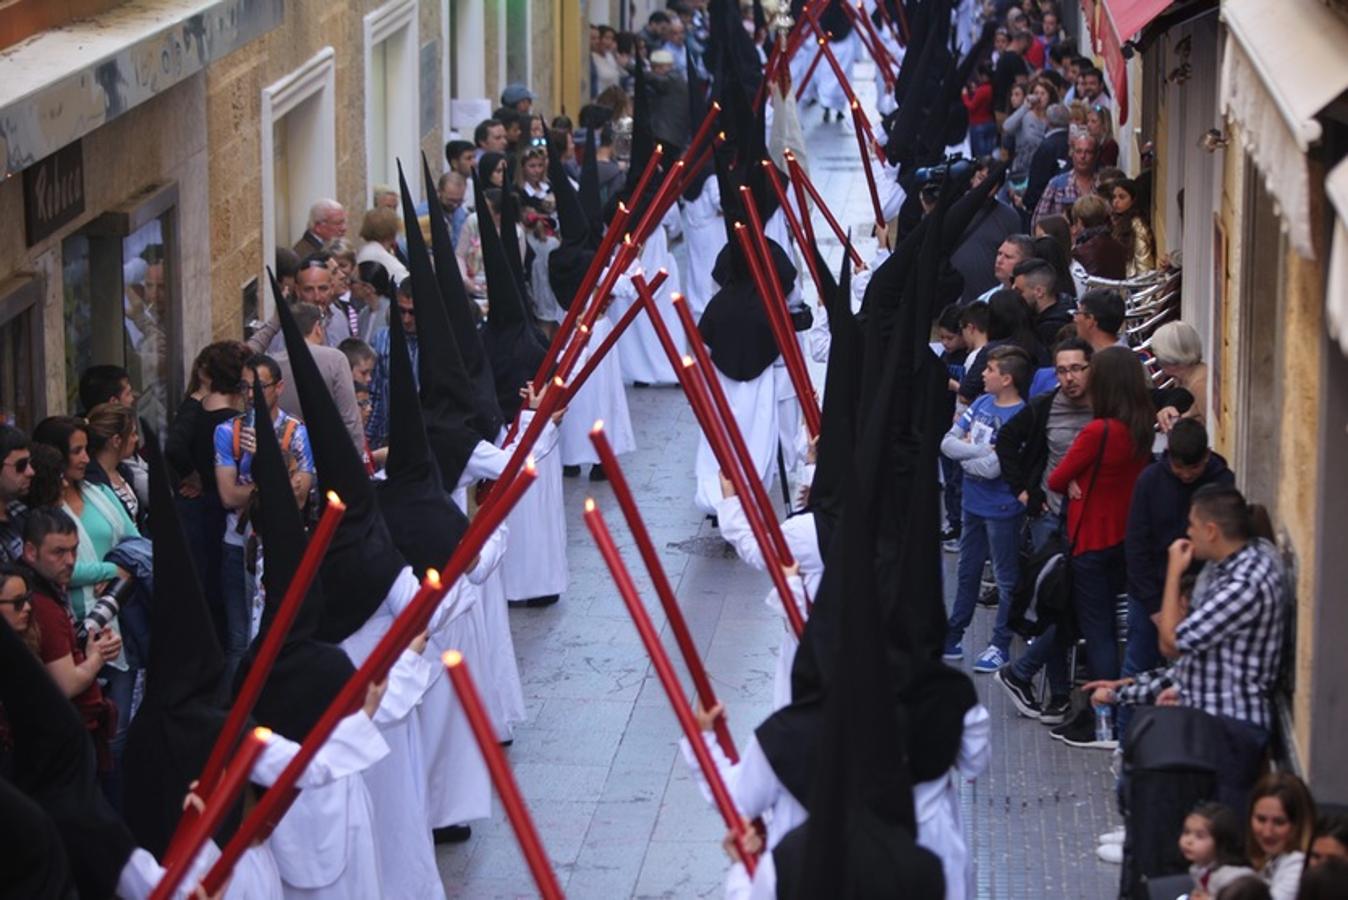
(50, 539)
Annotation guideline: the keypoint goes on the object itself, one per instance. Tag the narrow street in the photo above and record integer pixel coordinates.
(598, 759)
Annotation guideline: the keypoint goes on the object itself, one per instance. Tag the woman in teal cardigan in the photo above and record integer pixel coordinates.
(102, 523)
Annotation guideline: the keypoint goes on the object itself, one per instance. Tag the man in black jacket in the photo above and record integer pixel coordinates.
(1050, 158)
(1158, 517)
(1028, 448)
(1036, 280)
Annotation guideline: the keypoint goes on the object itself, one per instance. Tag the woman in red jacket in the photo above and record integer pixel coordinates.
(1097, 475)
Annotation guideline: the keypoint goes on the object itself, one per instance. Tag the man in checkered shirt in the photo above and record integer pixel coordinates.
(1226, 645)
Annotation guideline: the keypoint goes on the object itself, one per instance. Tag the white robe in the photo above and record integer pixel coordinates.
(705, 236)
(488, 461)
(803, 541)
(830, 91)
(936, 804)
(752, 785)
(397, 783)
(754, 406)
(324, 846)
(601, 397)
(643, 357)
(458, 785)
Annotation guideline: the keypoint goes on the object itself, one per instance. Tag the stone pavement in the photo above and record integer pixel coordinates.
(598, 759)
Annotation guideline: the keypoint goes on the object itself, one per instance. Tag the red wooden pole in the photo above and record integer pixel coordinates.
(270, 648)
(736, 462)
(552, 398)
(814, 64)
(504, 780)
(774, 304)
(578, 380)
(203, 826)
(628, 591)
(799, 177)
(866, 167)
(663, 590)
(410, 622)
(802, 240)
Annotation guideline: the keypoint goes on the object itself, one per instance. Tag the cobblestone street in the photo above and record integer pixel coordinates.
(598, 759)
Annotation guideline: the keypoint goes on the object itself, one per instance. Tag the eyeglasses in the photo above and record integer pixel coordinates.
(364, 404)
(1072, 370)
(18, 602)
(266, 384)
(22, 465)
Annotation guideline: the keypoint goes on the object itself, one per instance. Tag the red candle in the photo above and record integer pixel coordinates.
(504, 780)
(217, 807)
(739, 470)
(719, 405)
(814, 64)
(623, 579)
(888, 65)
(578, 381)
(646, 547)
(806, 222)
(289, 608)
(799, 177)
(866, 167)
(764, 525)
(647, 174)
(552, 398)
(409, 623)
(774, 304)
(803, 241)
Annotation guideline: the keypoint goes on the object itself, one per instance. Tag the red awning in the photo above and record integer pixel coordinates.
(1125, 18)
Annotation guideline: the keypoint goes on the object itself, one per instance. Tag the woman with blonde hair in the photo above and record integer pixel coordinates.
(379, 230)
(1101, 127)
(1179, 351)
(113, 439)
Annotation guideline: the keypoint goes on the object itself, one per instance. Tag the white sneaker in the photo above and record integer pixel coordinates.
(1113, 837)
(1110, 853)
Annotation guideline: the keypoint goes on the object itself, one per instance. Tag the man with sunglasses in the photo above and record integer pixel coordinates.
(16, 474)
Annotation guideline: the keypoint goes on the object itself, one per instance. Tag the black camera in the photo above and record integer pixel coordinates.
(956, 167)
(104, 609)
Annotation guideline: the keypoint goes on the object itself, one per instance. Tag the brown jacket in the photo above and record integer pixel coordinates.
(1100, 254)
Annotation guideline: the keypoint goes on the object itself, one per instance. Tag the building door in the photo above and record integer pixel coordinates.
(392, 95)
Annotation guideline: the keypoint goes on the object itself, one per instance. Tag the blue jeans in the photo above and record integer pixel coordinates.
(952, 480)
(982, 138)
(1141, 654)
(980, 538)
(238, 595)
(119, 686)
(1097, 580)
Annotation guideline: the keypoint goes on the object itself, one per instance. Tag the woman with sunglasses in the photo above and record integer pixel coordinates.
(16, 605)
(16, 474)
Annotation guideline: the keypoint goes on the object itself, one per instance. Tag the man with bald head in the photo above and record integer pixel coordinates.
(327, 221)
(451, 189)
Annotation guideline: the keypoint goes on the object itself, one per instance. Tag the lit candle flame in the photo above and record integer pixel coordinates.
(589, 504)
(433, 576)
(262, 734)
(451, 658)
(688, 362)
(597, 427)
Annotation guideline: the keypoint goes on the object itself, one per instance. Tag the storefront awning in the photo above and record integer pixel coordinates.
(1112, 24)
(1336, 291)
(1284, 63)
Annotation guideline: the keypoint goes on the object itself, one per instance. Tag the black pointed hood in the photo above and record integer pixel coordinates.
(172, 735)
(463, 317)
(425, 522)
(308, 672)
(838, 423)
(362, 564)
(589, 179)
(514, 346)
(54, 766)
(446, 389)
(735, 324)
(569, 263)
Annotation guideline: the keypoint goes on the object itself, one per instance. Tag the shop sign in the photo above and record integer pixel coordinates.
(53, 192)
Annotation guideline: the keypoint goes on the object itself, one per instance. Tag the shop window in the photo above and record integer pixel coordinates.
(22, 391)
(392, 102)
(122, 304)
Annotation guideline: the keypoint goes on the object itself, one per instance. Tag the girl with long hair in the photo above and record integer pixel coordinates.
(1097, 476)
